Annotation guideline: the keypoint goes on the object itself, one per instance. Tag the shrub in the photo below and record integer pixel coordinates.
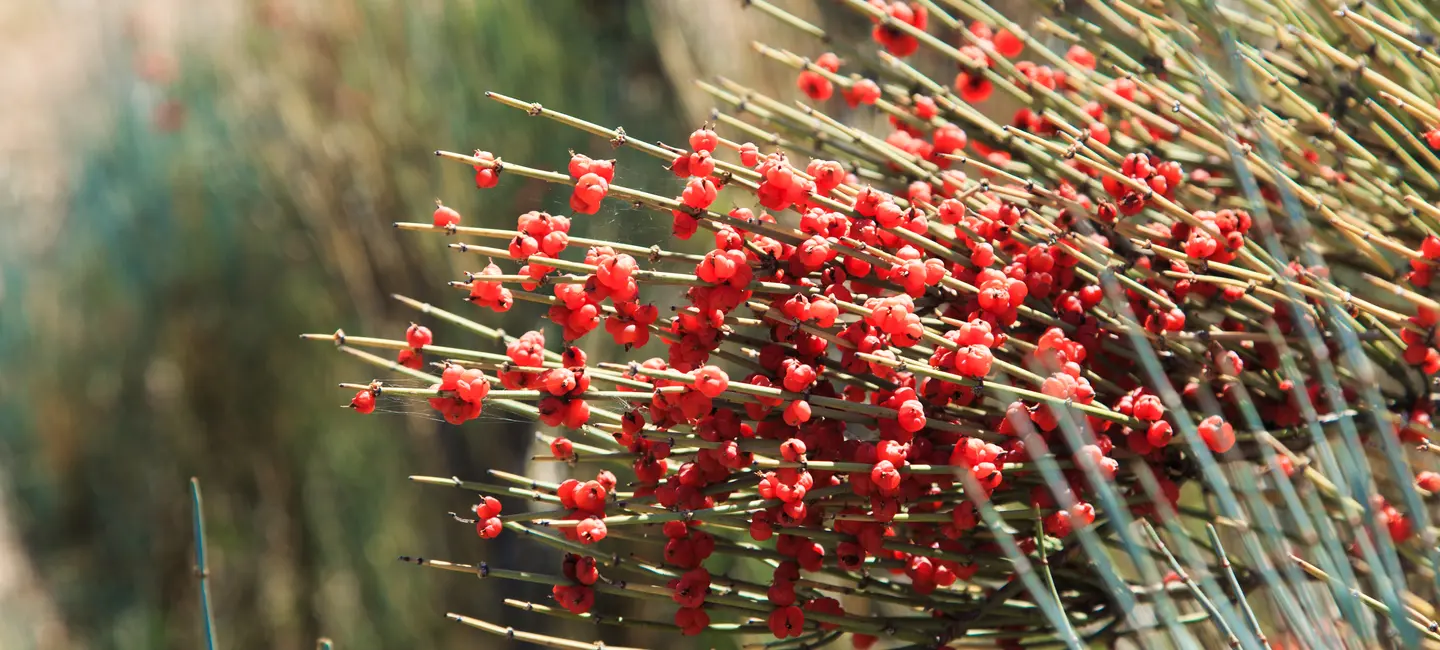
(1010, 382)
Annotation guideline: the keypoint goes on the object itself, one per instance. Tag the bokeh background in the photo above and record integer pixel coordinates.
(186, 186)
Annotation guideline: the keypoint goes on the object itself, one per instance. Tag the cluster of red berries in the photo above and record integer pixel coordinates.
(491, 293)
(564, 404)
(1160, 177)
(543, 233)
(689, 591)
(782, 186)
(817, 86)
(1420, 349)
(592, 183)
(486, 175)
(793, 362)
(527, 351)
(487, 518)
(587, 503)
(1423, 270)
(1219, 240)
(895, 40)
(973, 85)
(1147, 408)
(876, 321)
(702, 189)
(417, 337)
(466, 389)
(582, 572)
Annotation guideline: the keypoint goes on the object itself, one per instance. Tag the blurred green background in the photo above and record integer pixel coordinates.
(185, 187)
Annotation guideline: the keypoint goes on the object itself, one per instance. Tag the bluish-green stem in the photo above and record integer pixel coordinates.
(1388, 578)
(1235, 585)
(201, 568)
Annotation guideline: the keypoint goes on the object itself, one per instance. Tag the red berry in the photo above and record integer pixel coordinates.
(1149, 408)
(864, 91)
(973, 87)
(893, 451)
(1159, 434)
(581, 569)
(1287, 466)
(486, 176)
(473, 385)
(562, 448)
(1430, 247)
(788, 621)
(815, 86)
(1099, 132)
(1432, 138)
(591, 530)
(699, 193)
(488, 507)
(704, 140)
(829, 61)
(489, 528)
(691, 620)
(409, 358)
(911, 415)
(949, 139)
(590, 497)
(1007, 44)
(578, 599)
(1081, 57)
(793, 450)
(363, 402)
(797, 412)
(885, 477)
(590, 191)
(446, 217)
(1218, 435)
(749, 154)
(781, 593)
(418, 336)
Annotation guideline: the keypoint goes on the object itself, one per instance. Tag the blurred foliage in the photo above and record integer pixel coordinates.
(246, 200)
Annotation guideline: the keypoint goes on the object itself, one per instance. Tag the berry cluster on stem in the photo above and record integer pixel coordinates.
(991, 377)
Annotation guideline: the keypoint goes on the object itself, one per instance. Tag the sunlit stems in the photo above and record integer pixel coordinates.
(530, 637)
(1326, 292)
(866, 91)
(493, 334)
(965, 60)
(617, 137)
(630, 195)
(622, 621)
(522, 395)
(734, 173)
(642, 276)
(483, 488)
(653, 253)
(1354, 214)
(1423, 624)
(919, 369)
(733, 605)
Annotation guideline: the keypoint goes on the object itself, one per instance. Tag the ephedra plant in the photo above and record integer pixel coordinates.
(1151, 360)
